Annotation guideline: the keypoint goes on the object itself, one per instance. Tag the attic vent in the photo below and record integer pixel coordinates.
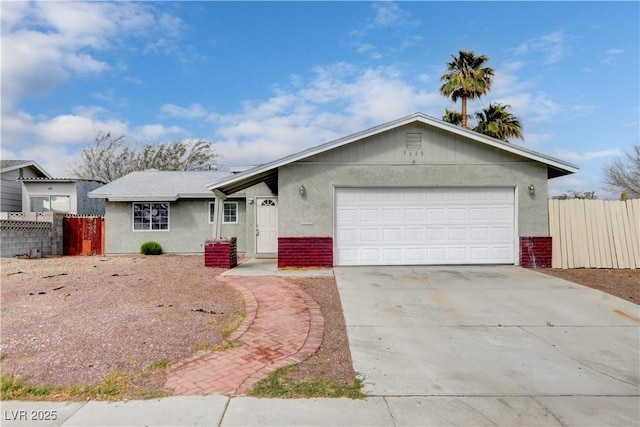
(413, 141)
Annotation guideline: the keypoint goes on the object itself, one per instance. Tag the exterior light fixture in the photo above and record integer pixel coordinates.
(532, 189)
(302, 190)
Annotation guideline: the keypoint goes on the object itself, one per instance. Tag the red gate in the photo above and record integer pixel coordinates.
(83, 235)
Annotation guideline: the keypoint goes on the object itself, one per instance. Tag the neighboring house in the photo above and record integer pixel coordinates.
(415, 190)
(174, 209)
(11, 188)
(64, 195)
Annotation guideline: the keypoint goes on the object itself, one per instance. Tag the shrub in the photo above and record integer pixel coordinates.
(151, 248)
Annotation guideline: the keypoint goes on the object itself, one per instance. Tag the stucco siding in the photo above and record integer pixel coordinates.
(312, 214)
(437, 147)
(189, 227)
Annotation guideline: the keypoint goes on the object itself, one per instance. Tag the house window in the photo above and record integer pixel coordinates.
(229, 212)
(150, 216)
(49, 204)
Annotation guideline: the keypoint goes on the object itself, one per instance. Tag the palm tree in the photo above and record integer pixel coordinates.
(453, 117)
(466, 78)
(497, 122)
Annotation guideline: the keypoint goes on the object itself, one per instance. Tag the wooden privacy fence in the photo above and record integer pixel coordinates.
(83, 235)
(595, 233)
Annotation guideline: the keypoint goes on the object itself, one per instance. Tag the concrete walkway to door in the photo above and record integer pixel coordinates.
(463, 344)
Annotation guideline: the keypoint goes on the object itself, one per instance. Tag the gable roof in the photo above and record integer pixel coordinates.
(268, 172)
(159, 186)
(10, 165)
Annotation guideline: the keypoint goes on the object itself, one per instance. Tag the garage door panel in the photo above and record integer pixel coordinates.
(392, 215)
(395, 226)
(369, 215)
(457, 234)
(414, 234)
(369, 235)
(392, 235)
(436, 215)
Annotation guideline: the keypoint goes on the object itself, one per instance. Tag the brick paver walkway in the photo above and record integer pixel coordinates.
(283, 326)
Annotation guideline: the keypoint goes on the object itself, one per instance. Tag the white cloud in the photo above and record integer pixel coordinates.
(46, 43)
(573, 156)
(611, 56)
(194, 111)
(337, 100)
(157, 132)
(552, 46)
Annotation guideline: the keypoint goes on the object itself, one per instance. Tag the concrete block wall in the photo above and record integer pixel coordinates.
(29, 233)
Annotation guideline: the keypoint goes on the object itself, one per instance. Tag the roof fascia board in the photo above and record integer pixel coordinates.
(32, 163)
(521, 151)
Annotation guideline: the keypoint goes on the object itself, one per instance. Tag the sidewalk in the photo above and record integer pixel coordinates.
(215, 410)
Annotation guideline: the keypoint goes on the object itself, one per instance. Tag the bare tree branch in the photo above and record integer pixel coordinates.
(110, 158)
(624, 174)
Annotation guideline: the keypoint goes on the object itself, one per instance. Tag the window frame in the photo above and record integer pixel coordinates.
(49, 197)
(150, 223)
(224, 204)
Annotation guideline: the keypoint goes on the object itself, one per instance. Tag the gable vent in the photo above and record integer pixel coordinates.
(413, 140)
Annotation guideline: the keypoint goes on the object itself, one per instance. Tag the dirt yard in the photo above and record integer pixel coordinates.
(73, 320)
(624, 284)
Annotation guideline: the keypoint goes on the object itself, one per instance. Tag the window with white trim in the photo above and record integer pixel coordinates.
(151, 216)
(49, 204)
(229, 212)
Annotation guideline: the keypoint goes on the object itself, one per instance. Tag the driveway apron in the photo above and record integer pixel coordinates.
(283, 326)
(487, 331)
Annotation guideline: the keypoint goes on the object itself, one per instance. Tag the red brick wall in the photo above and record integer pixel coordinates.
(305, 252)
(221, 253)
(535, 252)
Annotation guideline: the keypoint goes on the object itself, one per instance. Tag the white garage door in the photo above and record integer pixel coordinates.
(404, 226)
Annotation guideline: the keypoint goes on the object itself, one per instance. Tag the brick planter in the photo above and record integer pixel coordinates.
(535, 252)
(305, 252)
(221, 253)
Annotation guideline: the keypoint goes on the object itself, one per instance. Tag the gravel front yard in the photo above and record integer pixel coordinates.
(73, 320)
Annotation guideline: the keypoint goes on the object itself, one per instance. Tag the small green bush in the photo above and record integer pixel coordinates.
(151, 248)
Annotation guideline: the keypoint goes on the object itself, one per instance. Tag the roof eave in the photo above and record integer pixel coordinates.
(559, 167)
(32, 163)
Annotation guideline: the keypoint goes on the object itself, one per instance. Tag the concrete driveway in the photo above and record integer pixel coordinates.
(502, 337)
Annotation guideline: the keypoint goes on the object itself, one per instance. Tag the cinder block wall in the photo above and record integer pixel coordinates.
(30, 233)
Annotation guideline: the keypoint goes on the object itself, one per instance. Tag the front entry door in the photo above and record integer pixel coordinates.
(266, 225)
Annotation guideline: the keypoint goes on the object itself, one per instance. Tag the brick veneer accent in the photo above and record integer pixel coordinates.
(305, 252)
(221, 253)
(535, 252)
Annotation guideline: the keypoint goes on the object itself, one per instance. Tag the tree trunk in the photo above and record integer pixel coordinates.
(463, 119)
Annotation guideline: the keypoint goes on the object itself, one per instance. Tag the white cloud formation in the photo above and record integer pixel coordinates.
(552, 46)
(339, 99)
(46, 43)
(573, 156)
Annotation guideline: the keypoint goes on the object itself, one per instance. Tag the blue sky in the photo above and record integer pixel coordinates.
(265, 79)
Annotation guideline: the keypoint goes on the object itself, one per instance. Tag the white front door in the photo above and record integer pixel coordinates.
(266, 225)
